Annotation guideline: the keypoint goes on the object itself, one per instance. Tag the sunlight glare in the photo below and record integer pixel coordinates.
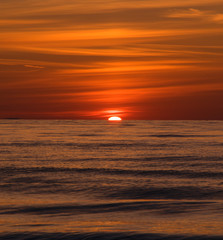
(115, 119)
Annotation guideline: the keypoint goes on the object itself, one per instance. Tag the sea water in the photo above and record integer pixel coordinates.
(65, 179)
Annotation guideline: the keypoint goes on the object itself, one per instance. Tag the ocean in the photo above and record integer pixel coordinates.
(88, 179)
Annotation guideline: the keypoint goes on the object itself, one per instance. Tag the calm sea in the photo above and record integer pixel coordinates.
(103, 180)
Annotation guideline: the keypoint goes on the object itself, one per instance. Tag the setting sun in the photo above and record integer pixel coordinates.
(115, 119)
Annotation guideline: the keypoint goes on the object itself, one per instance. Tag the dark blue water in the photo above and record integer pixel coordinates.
(104, 180)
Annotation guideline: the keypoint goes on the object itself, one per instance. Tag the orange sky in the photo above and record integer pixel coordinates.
(91, 59)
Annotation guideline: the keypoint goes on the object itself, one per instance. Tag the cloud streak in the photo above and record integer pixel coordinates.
(195, 13)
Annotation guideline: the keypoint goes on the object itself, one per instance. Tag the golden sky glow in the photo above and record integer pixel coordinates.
(89, 59)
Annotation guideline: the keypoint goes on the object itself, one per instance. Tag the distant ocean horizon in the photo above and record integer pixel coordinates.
(95, 179)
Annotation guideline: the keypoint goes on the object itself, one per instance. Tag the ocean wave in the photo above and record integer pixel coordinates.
(85, 145)
(180, 136)
(91, 186)
(181, 192)
(116, 171)
(104, 236)
(160, 207)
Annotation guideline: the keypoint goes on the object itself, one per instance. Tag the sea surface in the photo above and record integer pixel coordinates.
(84, 180)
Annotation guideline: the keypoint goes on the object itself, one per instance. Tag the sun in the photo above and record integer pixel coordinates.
(114, 119)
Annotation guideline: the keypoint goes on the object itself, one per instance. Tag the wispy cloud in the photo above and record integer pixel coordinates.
(196, 13)
(218, 18)
(33, 66)
(189, 13)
